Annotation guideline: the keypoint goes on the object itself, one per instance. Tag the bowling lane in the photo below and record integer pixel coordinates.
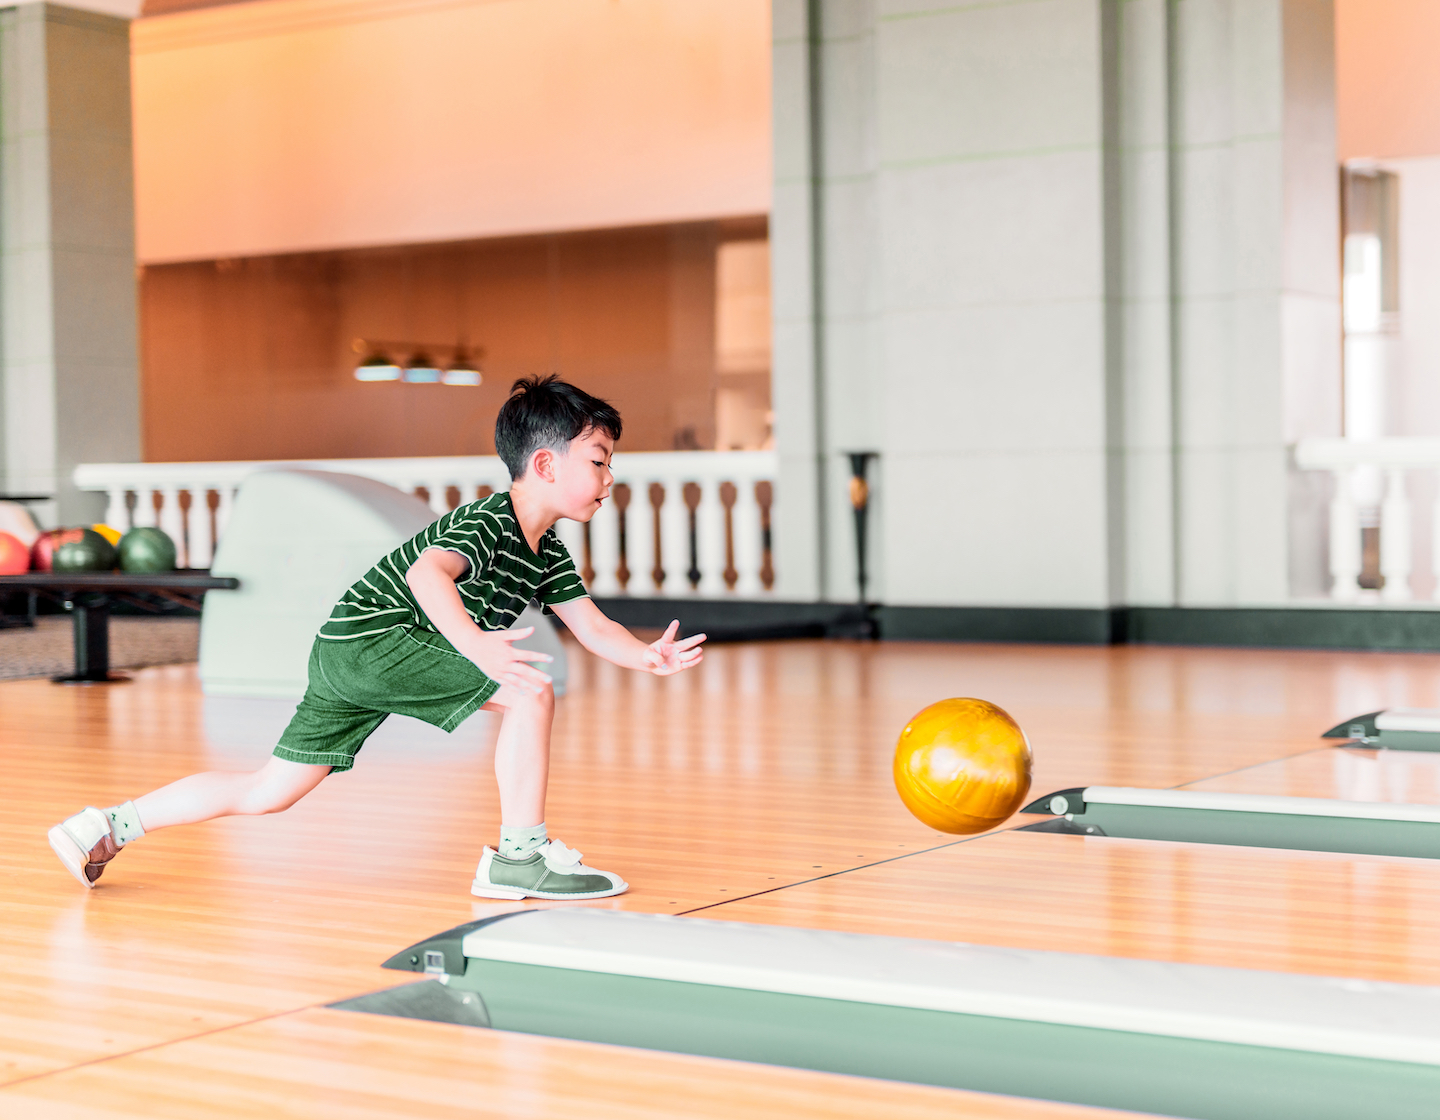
(322, 1064)
(1308, 912)
(1345, 773)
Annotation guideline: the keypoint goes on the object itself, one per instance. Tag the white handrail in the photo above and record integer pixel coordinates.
(1370, 480)
(192, 502)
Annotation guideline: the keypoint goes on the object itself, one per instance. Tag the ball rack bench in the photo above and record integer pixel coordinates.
(90, 595)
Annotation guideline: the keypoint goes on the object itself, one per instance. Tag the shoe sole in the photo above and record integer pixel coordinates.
(70, 855)
(485, 890)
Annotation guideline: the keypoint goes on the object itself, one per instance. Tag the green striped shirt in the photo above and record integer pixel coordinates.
(504, 574)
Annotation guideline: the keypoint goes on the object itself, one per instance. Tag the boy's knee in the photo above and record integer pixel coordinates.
(542, 701)
(545, 698)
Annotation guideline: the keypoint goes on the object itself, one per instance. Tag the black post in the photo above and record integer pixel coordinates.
(92, 641)
(860, 503)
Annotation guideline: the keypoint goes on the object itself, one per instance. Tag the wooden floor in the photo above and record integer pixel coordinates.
(192, 982)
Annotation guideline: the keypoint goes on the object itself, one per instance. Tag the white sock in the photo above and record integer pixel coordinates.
(519, 843)
(124, 823)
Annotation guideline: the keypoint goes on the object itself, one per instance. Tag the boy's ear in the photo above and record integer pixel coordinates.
(542, 463)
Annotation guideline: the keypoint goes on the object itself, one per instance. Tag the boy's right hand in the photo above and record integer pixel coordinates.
(498, 658)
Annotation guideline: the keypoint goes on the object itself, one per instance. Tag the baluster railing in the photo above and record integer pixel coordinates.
(656, 494)
(1395, 545)
(679, 523)
(1344, 538)
(1351, 463)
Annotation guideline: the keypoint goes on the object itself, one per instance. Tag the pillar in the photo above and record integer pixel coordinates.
(67, 254)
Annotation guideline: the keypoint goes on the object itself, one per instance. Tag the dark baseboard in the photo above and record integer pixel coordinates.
(1293, 628)
(736, 620)
(999, 624)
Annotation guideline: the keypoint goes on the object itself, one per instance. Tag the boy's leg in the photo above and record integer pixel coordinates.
(222, 793)
(522, 753)
(528, 864)
(91, 838)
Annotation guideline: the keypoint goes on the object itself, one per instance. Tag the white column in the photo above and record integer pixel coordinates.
(1344, 539)
(117, 515)
(1435, 539)
(1395, 547)
(68, 372)
(201, 532)
(747, 538)
(572, 536)
(641, 540)
(711, 526)
(145, 506)
(675, 537)
(439, 504)
(172, 521)
(222, 511)
(605, 550)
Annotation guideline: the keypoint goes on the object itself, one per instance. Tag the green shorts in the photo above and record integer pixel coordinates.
(355, 684)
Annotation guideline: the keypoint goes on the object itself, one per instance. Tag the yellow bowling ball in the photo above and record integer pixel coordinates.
(962, 766)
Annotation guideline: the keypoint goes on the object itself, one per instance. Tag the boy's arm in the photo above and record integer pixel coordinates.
(610, 640)
(432, 578)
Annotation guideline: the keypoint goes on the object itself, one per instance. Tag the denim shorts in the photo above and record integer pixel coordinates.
(355, 684)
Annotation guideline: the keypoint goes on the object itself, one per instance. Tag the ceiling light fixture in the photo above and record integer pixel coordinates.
(375, 366)
(421, 369)
(462, 368)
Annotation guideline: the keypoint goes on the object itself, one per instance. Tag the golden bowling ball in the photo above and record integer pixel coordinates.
(962, 766)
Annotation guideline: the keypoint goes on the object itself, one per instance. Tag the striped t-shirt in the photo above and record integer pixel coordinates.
(504, 574)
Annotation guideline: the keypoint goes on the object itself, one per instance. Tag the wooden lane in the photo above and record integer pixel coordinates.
(768, 767)
(1346, 773)
(319, 1064)
(1306, 912)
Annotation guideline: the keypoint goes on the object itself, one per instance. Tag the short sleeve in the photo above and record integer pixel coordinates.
(470, 533)
(562, 582)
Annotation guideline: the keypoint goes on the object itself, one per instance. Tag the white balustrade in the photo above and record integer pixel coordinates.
(1354, 465)
(688, 541)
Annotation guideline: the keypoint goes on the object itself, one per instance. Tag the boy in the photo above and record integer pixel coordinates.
(423, 633)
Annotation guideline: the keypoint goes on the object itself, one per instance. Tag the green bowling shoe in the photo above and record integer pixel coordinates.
(553, 871)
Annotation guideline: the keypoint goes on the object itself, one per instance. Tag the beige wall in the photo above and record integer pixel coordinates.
(287, 125)
(1387, 78)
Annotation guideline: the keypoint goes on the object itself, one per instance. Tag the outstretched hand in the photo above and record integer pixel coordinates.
(665, 656)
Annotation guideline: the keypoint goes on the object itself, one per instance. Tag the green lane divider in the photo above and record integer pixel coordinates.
(1181, 1040)
(1249, 820)
(1397, 729)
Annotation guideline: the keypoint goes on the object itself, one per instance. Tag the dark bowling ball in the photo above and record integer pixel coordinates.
(147, 550)
(82, 550)
(42, 552)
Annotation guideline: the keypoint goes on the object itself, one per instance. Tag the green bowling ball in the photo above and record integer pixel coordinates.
(147, 550)
(82, 550)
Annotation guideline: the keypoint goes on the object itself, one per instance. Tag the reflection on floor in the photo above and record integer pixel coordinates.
(757, 788)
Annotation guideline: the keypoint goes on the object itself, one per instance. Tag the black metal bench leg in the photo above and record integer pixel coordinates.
(92, 642)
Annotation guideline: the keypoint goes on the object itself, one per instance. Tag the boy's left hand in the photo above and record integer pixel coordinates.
(666, 656)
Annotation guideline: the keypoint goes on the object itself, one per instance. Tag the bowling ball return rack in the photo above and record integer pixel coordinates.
(1394, 729)
(90, 594)
(1264, 821)
(1314, 824)
(1171, 1038)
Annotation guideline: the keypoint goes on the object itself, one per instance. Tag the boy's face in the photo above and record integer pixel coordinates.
(582, 477)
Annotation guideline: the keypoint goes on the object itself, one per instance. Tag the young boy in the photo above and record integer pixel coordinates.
(423, 633)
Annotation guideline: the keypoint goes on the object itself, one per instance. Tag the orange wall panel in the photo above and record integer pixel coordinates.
(1387, 78)
(290, 125)
(253, 359)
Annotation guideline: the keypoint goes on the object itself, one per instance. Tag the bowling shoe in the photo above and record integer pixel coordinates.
(84, 845)
(553, 871)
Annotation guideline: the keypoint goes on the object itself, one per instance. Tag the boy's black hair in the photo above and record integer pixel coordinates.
(547, 412)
